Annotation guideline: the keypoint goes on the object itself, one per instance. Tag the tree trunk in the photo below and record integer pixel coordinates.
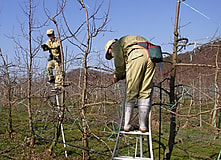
(83, 113)
(10, 129)
(172, 135)
(31, 129)
(85, 142)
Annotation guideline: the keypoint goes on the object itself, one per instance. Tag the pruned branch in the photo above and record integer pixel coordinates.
(196, 65)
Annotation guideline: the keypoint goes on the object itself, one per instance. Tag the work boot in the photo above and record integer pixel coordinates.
(56, 89)
(51, 81)
(144, 108)
(128, 115)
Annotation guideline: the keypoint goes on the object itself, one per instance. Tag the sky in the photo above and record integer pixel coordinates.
(199, 21)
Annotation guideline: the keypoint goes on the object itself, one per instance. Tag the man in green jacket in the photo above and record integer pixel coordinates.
(54, 60)
(133, 62)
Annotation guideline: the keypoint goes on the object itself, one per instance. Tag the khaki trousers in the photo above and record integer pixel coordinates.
(139, 74)
(59, 76)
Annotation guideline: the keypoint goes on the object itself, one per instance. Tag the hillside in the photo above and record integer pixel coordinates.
(191, 75)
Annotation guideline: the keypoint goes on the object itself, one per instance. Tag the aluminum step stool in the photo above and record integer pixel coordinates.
(140, 134)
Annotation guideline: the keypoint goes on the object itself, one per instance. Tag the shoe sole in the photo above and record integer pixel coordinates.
(143, 130)
(126, 130)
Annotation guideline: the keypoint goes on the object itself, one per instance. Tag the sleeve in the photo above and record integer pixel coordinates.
(48, 44)
(119, 62)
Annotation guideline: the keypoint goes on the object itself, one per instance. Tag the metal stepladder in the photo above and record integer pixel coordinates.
(140, 138)
(62, 129)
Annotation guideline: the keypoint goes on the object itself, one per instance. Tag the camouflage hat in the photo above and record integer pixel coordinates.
(50, 31)
(107, 46)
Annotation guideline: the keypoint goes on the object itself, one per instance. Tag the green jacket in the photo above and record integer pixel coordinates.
(121, 51)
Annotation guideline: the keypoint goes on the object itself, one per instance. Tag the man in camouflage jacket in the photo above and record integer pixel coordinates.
(54, 60)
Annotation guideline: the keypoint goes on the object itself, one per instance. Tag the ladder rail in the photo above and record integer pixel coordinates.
(120, 125)
(135, 154)
(150, 137)
(141, 146)
(62, 129)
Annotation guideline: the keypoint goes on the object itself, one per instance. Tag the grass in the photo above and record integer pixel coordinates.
(192, 142)
(196, 143)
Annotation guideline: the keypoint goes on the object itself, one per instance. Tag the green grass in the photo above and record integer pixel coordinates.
(192, 142)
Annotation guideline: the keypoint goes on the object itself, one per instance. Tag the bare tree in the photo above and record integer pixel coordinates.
(172, 96)
(31, 55)
(9, 93)
(85, 46)
(30, 52)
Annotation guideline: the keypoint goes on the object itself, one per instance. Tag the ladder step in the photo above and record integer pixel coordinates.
(126, 157)
(135, 132)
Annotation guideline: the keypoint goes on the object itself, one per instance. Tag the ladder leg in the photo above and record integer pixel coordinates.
(128, 148)
(148, 144)
(150, 137)
(141, 146)
(116, 148)
(63, 138)
(57, 101)
(62, 129)
(119, 142)
(136, 147)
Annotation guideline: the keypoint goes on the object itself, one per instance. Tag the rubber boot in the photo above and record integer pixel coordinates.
(144, 108)
(128, 115)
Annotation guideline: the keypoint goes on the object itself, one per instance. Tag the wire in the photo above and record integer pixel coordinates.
(195, 10)
(202, 14)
